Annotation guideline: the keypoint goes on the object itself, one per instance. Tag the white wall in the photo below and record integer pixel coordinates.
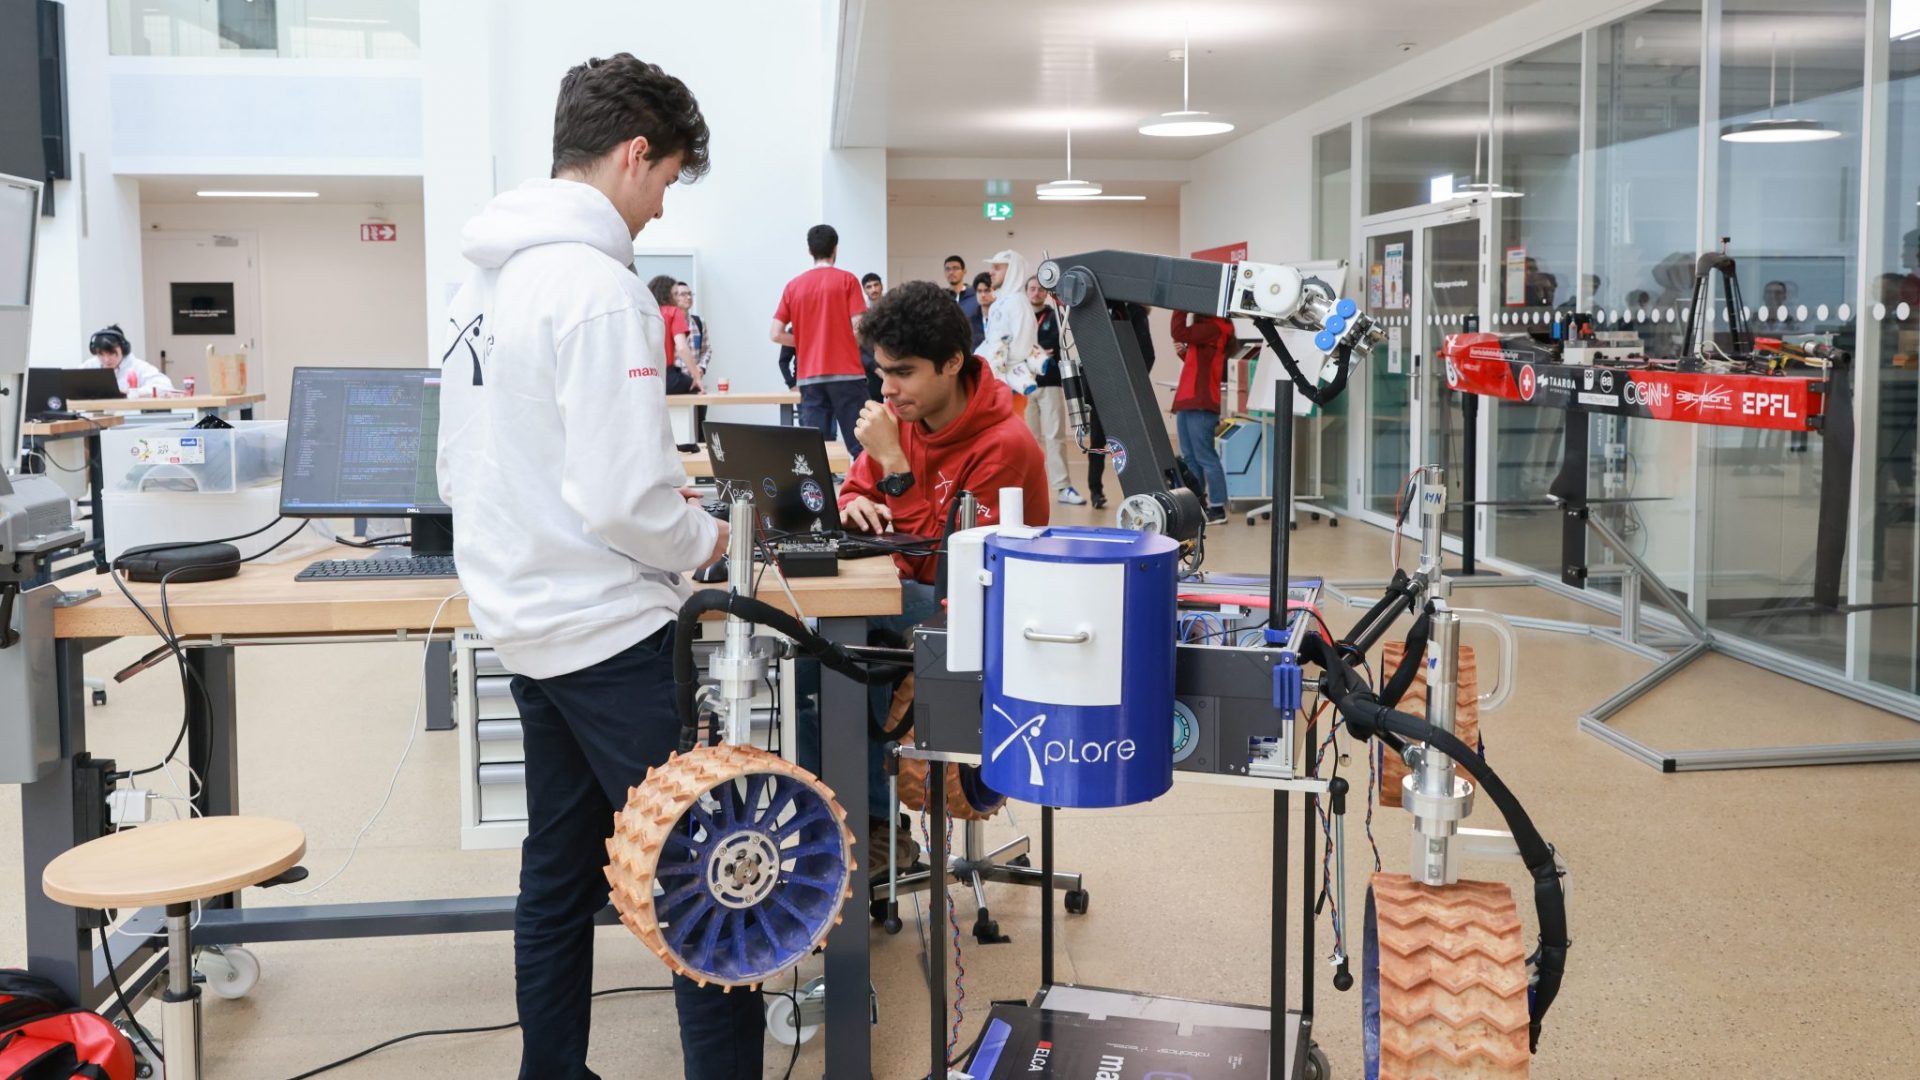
(919, 239)
(87, 263)
(326, 297)
(765, 95)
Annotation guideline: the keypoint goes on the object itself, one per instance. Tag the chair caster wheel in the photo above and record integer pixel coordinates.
(99, 697)
(892, 924)
(1333, 523)
(986, 931)
(1317, 1066)
(1076, 901)
(1021, 860)
(230, 970)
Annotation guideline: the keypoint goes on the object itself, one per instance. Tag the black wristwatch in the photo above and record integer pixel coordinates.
(896, 484)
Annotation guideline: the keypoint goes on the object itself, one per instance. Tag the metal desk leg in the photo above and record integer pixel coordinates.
(212, 744)
(440, 686)
(843, 756)
(95, 502)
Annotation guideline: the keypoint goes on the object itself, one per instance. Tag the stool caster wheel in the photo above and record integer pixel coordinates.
(892, 924)
(1333, 522)
(1076, 901)
(138, 1036)
(99, 697)
(230, 970)
(1021, 860)
(1317, 1066)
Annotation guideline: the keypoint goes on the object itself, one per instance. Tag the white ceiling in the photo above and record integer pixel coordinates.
(997, 79)
(332, 189)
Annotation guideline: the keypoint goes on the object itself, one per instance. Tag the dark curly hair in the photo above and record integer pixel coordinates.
(603, 103)
(920, 318)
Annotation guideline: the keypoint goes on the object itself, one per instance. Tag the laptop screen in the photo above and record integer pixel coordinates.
(783, 468)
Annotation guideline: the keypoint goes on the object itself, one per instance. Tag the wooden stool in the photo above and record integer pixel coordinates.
(176, 863)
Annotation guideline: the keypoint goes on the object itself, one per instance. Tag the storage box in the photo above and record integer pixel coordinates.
(133, 518)
(179, 458)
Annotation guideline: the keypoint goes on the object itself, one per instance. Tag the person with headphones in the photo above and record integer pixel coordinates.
(138, 379)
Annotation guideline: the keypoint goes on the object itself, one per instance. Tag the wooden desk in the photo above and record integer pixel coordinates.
(57, 429)
(204, 404)
(264, 600)
(700, 467)
(689, 411)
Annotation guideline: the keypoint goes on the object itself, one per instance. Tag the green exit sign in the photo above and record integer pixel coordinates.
(997, 211)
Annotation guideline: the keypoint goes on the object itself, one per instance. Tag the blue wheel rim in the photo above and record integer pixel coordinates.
(762, 929)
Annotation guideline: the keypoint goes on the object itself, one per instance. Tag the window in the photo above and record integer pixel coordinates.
(1428, 147)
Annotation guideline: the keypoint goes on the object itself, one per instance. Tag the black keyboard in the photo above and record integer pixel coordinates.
(412, 566)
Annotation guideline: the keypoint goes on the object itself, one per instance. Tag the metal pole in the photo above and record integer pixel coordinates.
(937, 900)
(1470, 406)
(1433, 780)
(1277, 937)
(1046, 897)
(180, 1004)
(1281, 464)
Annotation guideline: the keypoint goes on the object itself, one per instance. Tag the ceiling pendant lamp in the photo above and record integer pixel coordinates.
(1777, 129)
(1188, 122)
(1071, 190)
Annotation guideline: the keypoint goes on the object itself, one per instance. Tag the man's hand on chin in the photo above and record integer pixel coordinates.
(878, 432)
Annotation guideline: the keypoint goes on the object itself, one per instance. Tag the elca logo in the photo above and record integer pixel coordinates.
(1057, 751)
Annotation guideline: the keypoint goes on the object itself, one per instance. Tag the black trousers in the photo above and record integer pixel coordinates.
(1096, 454)
(590, 735)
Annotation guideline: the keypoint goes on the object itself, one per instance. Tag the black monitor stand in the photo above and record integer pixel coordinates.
(432, 534)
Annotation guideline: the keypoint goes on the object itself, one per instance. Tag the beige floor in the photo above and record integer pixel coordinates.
(1749, 924)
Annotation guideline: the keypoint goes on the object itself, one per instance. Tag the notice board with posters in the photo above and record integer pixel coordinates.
(202, 308)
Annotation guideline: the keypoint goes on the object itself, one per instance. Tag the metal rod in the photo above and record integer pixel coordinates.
(1469, 533)
(1281, 464)
(1046, 896)
(937, 900)
(1277, 931)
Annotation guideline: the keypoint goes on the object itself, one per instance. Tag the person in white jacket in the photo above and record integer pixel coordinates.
(1012, 339)
(137, 378)
(573, 531)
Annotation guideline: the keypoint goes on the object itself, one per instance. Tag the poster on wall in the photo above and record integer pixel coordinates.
(1376, 279)
(1226, 253)
(1515, 294)
(1395, 335)
(1396, 276)
(202, 308)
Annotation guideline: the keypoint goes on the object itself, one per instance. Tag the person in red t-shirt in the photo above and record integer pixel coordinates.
(817, 314)
(1203, 341)
(683, 370)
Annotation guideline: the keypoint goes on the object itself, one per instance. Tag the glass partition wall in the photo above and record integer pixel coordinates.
(1603, 166)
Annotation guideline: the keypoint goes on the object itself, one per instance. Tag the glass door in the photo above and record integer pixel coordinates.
(1450, 296)
(1425, 278)
(1386, 428)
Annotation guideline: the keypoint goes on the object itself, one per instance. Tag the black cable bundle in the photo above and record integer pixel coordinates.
(1319, 395)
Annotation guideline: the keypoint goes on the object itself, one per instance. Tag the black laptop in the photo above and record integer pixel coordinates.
(51, 390)
(785, 468)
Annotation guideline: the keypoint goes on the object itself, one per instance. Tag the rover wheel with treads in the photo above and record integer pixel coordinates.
(730, 863)
(1445, 991)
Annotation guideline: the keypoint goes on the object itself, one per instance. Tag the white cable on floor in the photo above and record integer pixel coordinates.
(413, 730)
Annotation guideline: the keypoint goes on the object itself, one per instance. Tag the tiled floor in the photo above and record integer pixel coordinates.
(1750, 924)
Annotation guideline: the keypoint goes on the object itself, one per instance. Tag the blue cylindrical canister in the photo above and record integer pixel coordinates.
(1079, 666)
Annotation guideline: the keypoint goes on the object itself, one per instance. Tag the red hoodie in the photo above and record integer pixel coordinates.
(1206, 338)
(986, 449)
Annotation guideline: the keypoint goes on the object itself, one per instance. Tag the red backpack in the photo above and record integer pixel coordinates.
(42, 1037)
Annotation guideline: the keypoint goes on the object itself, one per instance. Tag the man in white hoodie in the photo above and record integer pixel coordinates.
(573, 531)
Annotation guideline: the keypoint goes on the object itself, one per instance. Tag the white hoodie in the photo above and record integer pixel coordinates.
(1012, 334)
(137, 378)
(556, 452)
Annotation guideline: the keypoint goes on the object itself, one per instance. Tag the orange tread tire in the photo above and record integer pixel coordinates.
(1466, 714)
(1453, 981)
(662, 800)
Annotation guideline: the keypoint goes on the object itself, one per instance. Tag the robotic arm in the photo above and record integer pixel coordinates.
(1102, 369)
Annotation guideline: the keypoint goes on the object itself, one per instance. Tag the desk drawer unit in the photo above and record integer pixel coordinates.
(493, 785)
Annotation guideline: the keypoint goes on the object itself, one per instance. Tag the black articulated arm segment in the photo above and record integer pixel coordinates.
(1111, 372)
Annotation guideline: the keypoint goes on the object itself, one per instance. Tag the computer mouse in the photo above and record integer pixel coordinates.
(715, 571)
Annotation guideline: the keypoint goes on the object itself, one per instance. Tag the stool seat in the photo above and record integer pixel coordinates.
(173, 862)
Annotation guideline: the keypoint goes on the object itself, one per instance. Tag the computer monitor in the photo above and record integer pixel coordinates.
(361, 442)
(19, 221)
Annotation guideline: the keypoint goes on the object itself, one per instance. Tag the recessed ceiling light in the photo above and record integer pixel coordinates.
(258, 194)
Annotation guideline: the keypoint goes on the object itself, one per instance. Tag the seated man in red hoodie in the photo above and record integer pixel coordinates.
(944, 425)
